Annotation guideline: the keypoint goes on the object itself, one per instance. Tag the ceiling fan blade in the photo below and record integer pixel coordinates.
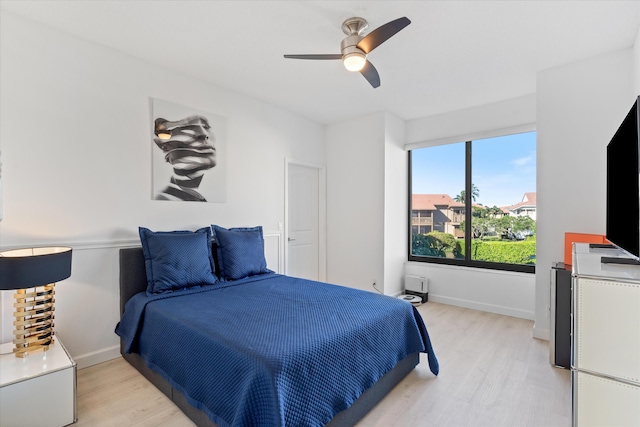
(371, 74)
(381, 34)
(318, 56)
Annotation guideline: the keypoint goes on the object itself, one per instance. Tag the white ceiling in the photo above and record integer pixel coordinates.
(455, 54)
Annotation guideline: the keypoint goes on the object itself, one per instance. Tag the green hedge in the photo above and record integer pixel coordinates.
(509, 252)
(442, 245)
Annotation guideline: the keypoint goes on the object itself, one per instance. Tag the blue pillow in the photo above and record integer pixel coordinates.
(240, 252)
(177, 259)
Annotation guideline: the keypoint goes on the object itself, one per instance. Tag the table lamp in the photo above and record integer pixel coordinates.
(32, 273)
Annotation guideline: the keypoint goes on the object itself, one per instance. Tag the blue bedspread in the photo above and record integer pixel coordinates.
(272, 350)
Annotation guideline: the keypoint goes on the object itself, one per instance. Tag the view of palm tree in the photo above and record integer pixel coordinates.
(475, 193)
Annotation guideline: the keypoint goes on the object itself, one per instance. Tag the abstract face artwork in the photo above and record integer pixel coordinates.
(191, 144)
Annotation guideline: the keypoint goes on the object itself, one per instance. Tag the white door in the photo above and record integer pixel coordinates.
(303, 222)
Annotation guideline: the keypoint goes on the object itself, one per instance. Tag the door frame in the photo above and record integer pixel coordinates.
(322, 215)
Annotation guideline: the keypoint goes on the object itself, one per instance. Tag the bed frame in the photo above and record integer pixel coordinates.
(133, 279)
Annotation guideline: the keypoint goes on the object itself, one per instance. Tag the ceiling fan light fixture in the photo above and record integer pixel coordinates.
(355, 47)
(354, 61)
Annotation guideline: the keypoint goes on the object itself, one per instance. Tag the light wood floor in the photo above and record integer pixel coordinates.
(492, 373)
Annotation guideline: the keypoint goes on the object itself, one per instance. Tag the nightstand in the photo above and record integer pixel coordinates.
(38, 390)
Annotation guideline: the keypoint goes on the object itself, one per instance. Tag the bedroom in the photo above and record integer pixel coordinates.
(89, 143)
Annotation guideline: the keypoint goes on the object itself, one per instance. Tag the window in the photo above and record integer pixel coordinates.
(480, 197)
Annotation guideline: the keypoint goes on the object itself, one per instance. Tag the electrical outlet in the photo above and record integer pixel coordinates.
(374, 283)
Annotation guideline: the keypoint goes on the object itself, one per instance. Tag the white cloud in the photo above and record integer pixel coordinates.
(524, 161)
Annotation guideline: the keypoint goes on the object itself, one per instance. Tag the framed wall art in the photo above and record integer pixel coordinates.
(188, 148)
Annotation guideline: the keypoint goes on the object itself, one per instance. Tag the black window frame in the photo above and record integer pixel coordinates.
(467, 261)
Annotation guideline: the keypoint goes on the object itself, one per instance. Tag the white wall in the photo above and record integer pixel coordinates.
(367, 203)
(355, 152)
(395, 204)
(579, 108)
(636, 66)
(76, 154)
(460, 125)
(501, 292)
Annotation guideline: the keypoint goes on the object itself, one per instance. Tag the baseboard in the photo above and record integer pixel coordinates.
(490, 308)
(541, 333)
(95, 357)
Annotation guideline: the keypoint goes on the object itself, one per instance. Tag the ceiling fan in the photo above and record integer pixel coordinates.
(355, 47)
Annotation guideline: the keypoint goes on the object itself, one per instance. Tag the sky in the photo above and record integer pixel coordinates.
(503, 169)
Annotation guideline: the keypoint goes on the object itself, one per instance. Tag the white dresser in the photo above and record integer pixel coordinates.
(605, 341)
(38, 390)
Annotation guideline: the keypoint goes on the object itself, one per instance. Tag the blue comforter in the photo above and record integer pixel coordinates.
(272, 350)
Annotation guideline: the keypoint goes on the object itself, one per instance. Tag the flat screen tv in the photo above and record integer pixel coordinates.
(623, 185)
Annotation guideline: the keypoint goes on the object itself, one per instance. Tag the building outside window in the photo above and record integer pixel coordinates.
(474, 203)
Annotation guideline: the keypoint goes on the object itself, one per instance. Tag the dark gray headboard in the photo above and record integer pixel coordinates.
(133, 275)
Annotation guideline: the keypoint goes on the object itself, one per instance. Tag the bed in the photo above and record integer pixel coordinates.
(268, 349)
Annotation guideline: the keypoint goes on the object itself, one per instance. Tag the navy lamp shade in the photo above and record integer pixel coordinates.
(33, 273)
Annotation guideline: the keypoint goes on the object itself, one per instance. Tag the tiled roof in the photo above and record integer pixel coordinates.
(428, 202)
(528, 200)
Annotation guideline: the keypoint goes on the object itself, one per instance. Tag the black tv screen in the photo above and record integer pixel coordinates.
(623, 185)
